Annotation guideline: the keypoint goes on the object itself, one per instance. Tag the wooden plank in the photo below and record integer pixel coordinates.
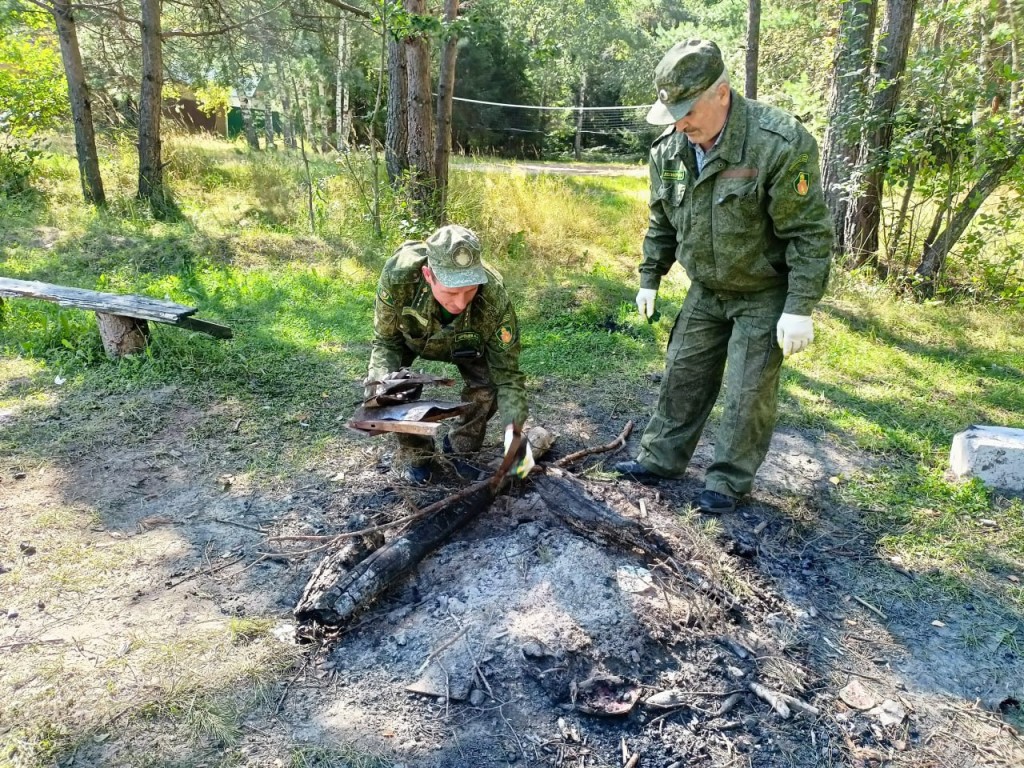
(428, 428)
(205, 326)
(141, 307)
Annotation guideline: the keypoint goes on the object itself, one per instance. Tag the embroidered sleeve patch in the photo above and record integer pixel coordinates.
(384, 296)
(506, 334)
(801, 184)
(802, 160)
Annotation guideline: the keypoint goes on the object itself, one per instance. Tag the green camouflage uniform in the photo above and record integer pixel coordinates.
(753, 233)
(482, 342)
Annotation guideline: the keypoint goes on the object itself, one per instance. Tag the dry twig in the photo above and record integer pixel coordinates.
(615, 444)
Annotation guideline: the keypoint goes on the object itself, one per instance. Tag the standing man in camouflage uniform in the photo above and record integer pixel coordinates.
(736, 199)
(437, 300)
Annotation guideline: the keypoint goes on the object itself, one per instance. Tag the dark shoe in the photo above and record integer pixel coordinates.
(464, 469)
(636, 469)
(715, 503)
(416, 475)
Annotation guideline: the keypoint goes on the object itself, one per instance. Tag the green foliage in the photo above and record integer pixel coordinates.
(33, 94)
(945, 137)
(213, 98)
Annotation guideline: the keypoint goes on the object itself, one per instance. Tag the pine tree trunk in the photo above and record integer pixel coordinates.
(304, 98)
(577, 147)
(325, 116)
(422, 182)
(268, 125)
(753, 48)
(287, 124)
(1014, 105)
(846, 106)
(343, 110)
(81, 105)
(396, 141)
(250, 127)
(865, 213)
(151, 172)
(445, 93)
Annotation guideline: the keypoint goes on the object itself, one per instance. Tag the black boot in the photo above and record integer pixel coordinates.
(416, 475)
(715, 503)
(463, 468)
(634, 468)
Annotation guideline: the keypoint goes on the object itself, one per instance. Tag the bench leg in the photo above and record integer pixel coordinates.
(122, 335)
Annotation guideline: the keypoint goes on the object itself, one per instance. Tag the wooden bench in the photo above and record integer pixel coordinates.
(122, 319)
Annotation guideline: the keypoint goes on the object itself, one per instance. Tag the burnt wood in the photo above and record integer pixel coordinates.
(340, 588)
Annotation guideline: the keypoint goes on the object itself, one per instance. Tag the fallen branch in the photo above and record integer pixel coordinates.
(207, 572)
(781, 702)
(615, 444)
(871, 608)
(774, 700)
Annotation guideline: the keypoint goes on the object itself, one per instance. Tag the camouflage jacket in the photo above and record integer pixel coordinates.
(753, 219)
(406, 317)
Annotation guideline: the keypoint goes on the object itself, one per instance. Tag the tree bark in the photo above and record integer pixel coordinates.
(1014, 105)
(846, 106)
(303, 99)
(287, 124)
(122, 335)
(445, 93)
(422, 181)
(577, 146)
(864, 215)
(753, 48)
(935, 253)
(81, 104)
(151, 169)
(250, 127)
(342, 109)
(396, 141)
(325, 116)
(901, 219)
(268, 125)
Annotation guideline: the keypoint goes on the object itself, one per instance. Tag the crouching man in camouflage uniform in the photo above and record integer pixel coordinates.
(438, 301)
(736, 199)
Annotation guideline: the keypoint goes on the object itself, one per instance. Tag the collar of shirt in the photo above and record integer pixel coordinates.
(699, 153)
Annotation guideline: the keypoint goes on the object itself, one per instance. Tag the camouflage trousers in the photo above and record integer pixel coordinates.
(716, 336)
(467, 436)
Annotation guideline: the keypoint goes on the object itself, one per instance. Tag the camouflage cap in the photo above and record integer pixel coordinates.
(453, 256)
(683, 74)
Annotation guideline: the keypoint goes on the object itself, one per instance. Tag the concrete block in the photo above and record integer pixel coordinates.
(993, 454)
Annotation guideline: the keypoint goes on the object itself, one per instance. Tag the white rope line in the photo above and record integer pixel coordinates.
(557, 109)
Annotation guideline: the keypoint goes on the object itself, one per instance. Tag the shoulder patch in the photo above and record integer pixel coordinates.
(801, 183)
(506, 335)
(384, 296)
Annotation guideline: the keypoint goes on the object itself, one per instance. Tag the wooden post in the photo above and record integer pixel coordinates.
(122, 335)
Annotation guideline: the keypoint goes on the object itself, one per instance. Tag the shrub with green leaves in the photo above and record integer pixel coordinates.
(33, 93)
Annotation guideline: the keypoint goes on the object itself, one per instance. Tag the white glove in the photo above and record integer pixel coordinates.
(794, 333)
(522, 467)
(645, 301)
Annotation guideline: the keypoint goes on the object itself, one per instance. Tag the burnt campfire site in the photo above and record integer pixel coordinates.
(575, 618)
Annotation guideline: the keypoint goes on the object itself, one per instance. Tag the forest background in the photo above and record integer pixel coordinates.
(345, 129)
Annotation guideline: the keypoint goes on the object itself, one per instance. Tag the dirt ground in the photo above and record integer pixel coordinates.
(144, 623)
